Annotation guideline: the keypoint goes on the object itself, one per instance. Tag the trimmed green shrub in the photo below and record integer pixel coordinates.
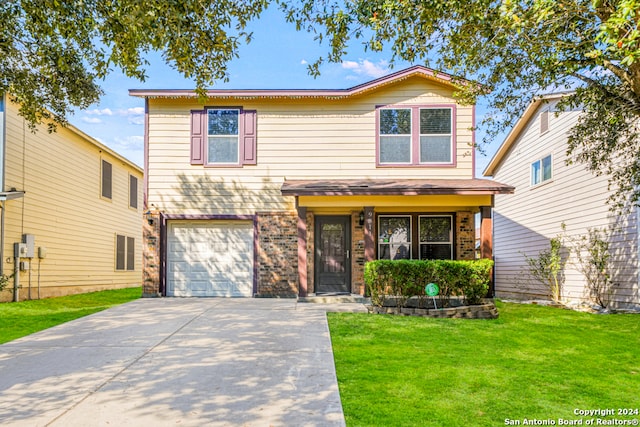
(403, 279)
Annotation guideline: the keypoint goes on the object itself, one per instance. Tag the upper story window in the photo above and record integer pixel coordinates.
(106, 179)
(415, 136)
(133, 192)
(223, 137)
(544, 121)
(541, 170)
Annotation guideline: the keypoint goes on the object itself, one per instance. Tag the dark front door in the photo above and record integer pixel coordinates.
(333, 254)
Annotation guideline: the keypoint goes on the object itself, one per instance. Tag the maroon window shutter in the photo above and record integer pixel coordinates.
(249, 141)
(198, 134)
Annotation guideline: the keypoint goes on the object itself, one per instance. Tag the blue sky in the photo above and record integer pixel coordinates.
(276, 58)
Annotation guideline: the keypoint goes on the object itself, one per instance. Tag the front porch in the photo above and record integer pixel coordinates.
(344, 224)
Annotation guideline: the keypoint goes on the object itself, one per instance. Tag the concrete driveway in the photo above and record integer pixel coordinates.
(177, 362)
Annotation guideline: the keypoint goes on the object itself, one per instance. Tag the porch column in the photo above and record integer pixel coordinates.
(302, 251)
(486, 230)
(369, 248)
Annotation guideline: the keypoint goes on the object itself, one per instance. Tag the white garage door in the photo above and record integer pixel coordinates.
(210, 259)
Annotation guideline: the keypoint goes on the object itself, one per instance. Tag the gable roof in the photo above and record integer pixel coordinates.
(417, 70)
(517, 129)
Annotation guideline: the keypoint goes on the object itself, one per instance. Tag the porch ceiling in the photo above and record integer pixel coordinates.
(400, 187)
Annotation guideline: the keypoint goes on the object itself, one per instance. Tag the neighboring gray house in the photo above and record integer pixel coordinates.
(548, 193)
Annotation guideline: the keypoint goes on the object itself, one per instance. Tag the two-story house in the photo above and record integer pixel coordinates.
(74, 204)
(549, 193)
(290, 192)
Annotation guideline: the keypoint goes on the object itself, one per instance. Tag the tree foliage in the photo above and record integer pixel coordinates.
(53, 54)
(517, 50)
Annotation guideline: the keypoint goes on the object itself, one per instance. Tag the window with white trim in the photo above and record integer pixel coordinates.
(223, 136)
(415, 136)
(435, 135)
(394, 237)
(541, 170)
(436, 236)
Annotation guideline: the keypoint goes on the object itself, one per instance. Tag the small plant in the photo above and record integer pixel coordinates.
(548, 267)
(593, 261)
(4, 281)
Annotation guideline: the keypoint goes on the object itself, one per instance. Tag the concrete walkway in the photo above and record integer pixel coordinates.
(177, 362)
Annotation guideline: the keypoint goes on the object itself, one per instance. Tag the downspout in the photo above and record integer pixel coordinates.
(2, 156)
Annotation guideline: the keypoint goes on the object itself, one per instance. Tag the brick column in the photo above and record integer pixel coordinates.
(486, 230)
(151, 256)
(465, 236)
(302, 251)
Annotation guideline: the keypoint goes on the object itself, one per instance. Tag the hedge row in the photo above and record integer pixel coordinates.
(403, 279)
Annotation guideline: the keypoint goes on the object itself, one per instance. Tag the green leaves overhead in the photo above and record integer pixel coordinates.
(516, 50)
(54, 53)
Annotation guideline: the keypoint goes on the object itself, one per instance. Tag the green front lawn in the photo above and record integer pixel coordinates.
(26, 317)
(533, 363)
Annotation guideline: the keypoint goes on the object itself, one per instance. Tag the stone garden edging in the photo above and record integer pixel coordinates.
(486, 310)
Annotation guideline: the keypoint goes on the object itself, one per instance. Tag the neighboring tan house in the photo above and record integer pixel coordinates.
(75, 203)
(549, 193)
(289, 192)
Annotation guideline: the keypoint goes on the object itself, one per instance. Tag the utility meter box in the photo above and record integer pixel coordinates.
(42, 252)
(24, 266)
(19, 250)
(30, 241)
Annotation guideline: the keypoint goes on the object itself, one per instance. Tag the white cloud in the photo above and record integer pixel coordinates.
(131, 141)
(303, 62)
(92, 120)
(97, 112)
(134, 111)
(366, 68)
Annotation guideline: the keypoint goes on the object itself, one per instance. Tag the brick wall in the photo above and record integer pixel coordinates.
(278, 254)
(357, 254)
(151, 257)
(466, 235)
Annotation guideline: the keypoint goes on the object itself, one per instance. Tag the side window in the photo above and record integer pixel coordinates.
(133, 192)
(121, 251)
(125, 253)
(541, 170)
(544, 121)
(106, 179)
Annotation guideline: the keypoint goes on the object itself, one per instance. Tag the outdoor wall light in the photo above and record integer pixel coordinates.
(361, 218)
(149, 217)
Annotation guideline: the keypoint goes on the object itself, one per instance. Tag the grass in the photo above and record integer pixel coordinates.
(533, 362)
(26, 317)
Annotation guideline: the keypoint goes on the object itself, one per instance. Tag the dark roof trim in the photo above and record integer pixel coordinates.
(406, 187)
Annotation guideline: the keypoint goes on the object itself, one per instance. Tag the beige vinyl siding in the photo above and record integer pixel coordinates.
(61, 175)
(524, 222)
(297, 139)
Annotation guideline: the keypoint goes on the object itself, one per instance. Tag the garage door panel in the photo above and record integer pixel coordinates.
(210, 258)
